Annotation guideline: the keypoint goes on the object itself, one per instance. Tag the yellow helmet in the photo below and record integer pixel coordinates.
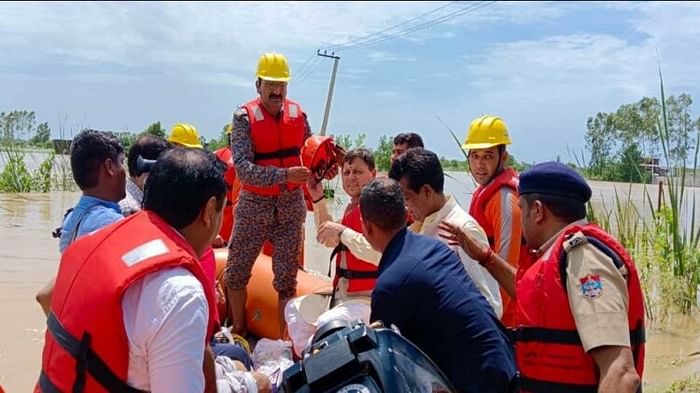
(229, 129)
(185, 134)
(273, 67)
(485, 132)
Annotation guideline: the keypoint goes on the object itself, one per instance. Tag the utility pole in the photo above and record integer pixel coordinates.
(336, 59)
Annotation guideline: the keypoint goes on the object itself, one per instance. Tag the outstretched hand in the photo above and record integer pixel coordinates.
(458, 236)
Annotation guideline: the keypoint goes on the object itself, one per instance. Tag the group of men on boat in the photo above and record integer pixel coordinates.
(517, 293)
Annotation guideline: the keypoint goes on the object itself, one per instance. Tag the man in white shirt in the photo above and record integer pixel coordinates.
(145, 273)
(420, 175)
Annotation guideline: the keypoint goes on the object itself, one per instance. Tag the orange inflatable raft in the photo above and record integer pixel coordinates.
(261, 307)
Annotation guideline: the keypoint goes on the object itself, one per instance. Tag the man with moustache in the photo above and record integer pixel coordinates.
(268, 134)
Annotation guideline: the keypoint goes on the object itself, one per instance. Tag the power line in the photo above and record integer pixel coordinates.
(422, 26)
(313, 66)
(303, 66)
(379, 36)
(354, 41)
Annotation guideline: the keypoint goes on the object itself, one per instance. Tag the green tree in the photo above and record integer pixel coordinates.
(628, 168)
(42, 136)
(221, 141)
(346, 141)
(382, 155)
(599, 141)
(680, 128)
(17, 125)
(155, 129)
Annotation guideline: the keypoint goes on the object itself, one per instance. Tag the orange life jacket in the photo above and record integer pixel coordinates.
(86, 347)
(477, 208)
(276, 142)
(233, 187)
(361, 275)
(549, 353)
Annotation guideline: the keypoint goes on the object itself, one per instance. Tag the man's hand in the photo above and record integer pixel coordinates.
(329, 233)
(315, 188)
(220, 296)
(297, 174)
(218, 242)
(263, 382)
(458, 236)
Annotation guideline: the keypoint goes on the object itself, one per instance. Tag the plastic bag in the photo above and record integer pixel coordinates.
(272, 357)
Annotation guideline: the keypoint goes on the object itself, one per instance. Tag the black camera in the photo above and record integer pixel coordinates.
(355, 358)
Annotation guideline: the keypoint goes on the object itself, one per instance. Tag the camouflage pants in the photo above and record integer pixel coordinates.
(279, 219)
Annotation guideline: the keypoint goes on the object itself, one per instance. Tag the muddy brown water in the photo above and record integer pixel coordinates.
(29, 257)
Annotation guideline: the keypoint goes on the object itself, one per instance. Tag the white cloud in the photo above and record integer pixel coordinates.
(181, 35)
(549, 86)
(382, 56)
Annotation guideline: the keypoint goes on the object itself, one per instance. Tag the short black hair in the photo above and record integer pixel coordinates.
(147, 146)
(181, 183)
(382, 204)
(566, 209)
(419, 167)
(361, 153)
(409, 138)
(89, 149)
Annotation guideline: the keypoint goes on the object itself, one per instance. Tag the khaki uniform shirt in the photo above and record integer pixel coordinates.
(600, 320)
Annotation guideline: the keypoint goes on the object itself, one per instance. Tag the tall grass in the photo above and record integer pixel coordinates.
(664, 247)
(51, 174)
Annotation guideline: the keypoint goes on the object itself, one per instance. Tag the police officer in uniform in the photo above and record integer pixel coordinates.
(580, 307)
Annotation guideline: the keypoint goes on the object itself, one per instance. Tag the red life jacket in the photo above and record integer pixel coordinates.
(233, 187)
(86, 347)
(361, 275)
(548, 352)
(477, 208)
(276, 143)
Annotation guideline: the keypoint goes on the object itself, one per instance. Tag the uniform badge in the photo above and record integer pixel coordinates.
(591, 286)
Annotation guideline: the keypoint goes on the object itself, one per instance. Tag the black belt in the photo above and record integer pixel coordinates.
(356, 274)
(567, 337)
(292, 152)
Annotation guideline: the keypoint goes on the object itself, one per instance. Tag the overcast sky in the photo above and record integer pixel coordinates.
(544, 67)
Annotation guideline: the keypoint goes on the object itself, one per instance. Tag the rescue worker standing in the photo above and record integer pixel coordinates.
(494, 203)
(233, 187)
(580, 308)
(268, 134)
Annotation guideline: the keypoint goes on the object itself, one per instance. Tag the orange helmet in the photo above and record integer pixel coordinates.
(318, 154)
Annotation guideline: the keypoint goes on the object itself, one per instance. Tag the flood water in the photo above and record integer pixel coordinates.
(29, 257)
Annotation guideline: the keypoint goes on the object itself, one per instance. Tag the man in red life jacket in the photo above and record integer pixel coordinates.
(131, 306)
(580, 307)
(494, 203)
(355, 260)
(268, 134)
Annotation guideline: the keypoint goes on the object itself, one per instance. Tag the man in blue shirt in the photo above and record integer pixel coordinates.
(425, 291)
(97, 163)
